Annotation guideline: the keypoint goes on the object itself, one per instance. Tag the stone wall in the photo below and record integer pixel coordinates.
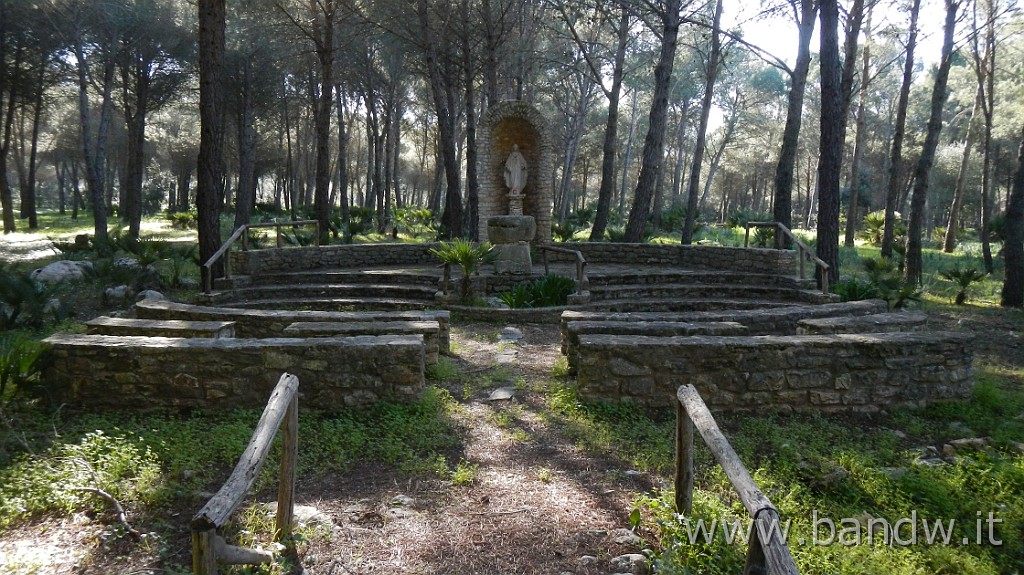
(834, 373)
(116, 372)
(875, 323)
(256, 323)
(324, 257)
(749, 260)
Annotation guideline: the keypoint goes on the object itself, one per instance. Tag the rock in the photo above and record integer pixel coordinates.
(116, 294)
(61, 271)
(832, 478)
(976, 443)
(127, 263)
(897, 433)
(304, 515)
(894, 473)
(626, 537)
(1017, 446)
(633, 563)
(587, 561)
(930, 462)
(509, 333)
(502, 393)
(150, 294)
(400, 513)
(632, 473)
(403, 500)
(961, 429)
(188, 283)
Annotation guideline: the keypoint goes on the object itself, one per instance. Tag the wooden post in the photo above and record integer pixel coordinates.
(245, 239)
(778, 236)
(317, 236)
(545, 256)
(286, 487)
(746, 237)
(204, 552)
(803, 259)
(684, 461)
(277, 229)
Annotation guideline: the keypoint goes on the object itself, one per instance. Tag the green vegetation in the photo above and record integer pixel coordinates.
(838, 468)
(547, 291)
(468, 256)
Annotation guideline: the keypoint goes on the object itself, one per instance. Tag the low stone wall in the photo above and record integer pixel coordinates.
(256, 323)
(118, 372)
(748, 260)
(876, 323)
(343, 256)
(575, 329)
(836, 373)
(430, 331)
(770, 321)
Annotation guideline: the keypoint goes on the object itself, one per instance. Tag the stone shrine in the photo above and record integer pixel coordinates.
(516, 198)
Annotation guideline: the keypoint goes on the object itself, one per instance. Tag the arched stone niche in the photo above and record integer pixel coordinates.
(515, 123)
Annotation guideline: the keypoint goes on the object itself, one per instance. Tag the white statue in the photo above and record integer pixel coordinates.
(515, 171)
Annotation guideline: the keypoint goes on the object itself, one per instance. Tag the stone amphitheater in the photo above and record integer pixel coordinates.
(360, 323)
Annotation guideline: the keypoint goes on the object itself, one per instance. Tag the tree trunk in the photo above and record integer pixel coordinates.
(245, 197)
(931, 142)
(1013, 248)
(604, 194)
(6, 198)
(896, 156)
(472, 178)
(135, 111)
(211, 140)
(949, 241)
(831, 155)
(627, 158)
(28, 196)
(342, 161)
(783, 202)
(323, 32)
(702, 128)
(986, 80)
(860, 140)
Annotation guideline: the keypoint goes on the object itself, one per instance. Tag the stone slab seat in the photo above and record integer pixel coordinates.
(876, 323)
(823, 373)
(104, 325)
(772, 321)
(428, 329)
(259, 323)
(334, 304)
(135, 372)
(311, 290)
(575, 329)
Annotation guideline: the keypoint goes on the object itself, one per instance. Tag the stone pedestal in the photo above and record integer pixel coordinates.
(511, 238)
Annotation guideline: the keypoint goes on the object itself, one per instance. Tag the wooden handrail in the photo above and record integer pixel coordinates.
(582, 283)
(805, 251)
(770, 556)
(207, 269)
(208, 547)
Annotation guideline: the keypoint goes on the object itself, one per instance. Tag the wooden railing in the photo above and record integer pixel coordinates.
(208, 547)
(582, 283)
(805, 252)
(768, 557)
(242, 233)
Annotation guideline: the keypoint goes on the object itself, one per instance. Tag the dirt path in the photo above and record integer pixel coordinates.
(536, 504)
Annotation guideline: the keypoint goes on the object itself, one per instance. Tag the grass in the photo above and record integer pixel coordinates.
(837, 468)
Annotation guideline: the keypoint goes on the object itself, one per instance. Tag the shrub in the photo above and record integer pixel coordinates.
(884, 276)
(547, 291)
(26, 302)
(853, 289)
(184, 220)
(740, 218)
(19, 361)
(963, 278)
(468, 256)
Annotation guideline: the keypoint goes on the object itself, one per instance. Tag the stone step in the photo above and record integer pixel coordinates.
(104, 325)
(383, 276)
(699, 291)
(335, 304)
(319, 290)
(696, 277)
(877, 323)
(682, 305)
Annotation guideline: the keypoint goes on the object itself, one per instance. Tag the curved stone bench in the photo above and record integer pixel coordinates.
(428, 329)
(769, 321)
(575, 329)
(876, 323)
(258, 323)
(825, 373)
(118, 372)
(104, 325)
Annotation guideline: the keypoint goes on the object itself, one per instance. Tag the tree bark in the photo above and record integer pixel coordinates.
(245, 196)
(472, 178)
(896, 156)
(323, 13)
(1013, 248)
(931, 143)
(953, 223)
(702, 128)
(860, 140)
(782, 210)
(604, 194)
(211, 141)
(831, 155)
